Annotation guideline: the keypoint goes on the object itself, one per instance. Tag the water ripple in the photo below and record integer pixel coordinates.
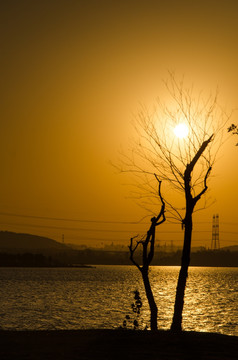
(48, 299)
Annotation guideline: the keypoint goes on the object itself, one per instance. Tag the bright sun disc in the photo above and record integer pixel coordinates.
(181, 131)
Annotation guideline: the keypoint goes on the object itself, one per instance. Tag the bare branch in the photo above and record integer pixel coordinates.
(132, 251)
(162, 210)
(196, 198)
(191, 165)
(156, 150)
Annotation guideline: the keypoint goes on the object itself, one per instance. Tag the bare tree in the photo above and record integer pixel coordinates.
(184, 163)
(187, 224)
(147, 257)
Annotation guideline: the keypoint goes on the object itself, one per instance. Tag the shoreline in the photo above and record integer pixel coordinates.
(94, 266)
(116, 344)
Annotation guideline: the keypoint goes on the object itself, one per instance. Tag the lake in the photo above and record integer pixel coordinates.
(101, 297)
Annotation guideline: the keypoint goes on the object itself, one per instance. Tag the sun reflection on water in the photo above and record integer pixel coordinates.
(47, 299)
(210, 298)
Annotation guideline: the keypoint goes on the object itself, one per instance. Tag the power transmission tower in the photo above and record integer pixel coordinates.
(215, 233)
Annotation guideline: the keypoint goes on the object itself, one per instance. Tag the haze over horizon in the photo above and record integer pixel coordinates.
(73, 75)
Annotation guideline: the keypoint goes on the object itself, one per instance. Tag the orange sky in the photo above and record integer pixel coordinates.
(72, 75)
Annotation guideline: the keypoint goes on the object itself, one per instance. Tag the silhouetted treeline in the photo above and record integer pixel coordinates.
(28, 260)
(200, 258)
(214, 258)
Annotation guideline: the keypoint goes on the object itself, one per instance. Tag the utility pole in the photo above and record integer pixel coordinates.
(215, 233)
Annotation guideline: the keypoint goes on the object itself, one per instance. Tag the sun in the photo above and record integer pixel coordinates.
(181, 130)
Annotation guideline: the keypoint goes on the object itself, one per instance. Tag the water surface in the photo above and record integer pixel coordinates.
(83, 298)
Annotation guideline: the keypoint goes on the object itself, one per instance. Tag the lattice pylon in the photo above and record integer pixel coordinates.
(215, 233)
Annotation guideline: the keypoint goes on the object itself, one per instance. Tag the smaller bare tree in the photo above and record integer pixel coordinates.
(147, 256)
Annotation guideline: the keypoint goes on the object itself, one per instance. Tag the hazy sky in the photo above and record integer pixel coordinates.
(72, 75)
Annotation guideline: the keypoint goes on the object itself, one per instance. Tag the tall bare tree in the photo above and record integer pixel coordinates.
(148, 245)
(184, 163)
(187, 224)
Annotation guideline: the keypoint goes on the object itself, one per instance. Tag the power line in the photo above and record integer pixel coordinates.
(78, 229)
(229, 232)
(105, 230)
(65, 228)
(72, 220)
(99, 221)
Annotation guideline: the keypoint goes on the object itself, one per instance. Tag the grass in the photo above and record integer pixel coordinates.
(116, 344)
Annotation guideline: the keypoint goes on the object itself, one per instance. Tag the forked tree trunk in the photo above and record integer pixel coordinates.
(191, 201)
(147, 256)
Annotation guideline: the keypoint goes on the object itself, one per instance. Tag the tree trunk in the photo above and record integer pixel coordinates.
(187, 222)
(151, 301)
(183, 274)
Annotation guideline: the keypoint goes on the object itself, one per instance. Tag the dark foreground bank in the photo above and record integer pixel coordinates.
(116, 344)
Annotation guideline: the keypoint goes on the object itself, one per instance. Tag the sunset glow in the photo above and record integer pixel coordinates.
(119, 177)
(181, 130)
(74, 77)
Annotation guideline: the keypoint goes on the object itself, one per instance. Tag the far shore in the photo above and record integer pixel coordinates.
(116, 344)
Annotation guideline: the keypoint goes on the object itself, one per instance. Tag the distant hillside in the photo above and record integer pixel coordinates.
(230, 248)
(32, 250)
(14, 242)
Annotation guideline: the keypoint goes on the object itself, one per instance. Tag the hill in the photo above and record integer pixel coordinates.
(11, 242)
(32, 250)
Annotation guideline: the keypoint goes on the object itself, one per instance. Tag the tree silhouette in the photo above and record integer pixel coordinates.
(187, 224)
(183, 164)
(147, 257)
